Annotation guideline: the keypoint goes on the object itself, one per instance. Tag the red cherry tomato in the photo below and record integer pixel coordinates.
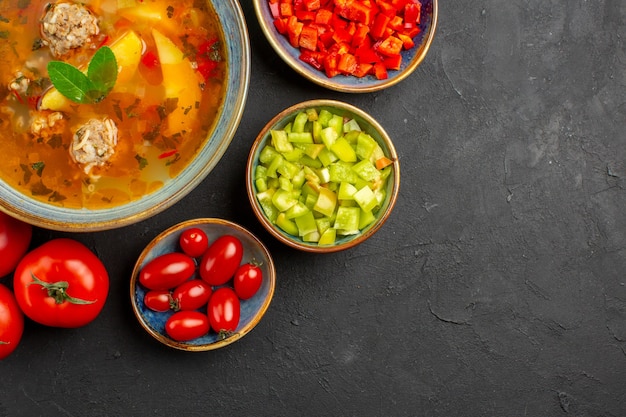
(187, 325)
(247, 280)
(191, 295)
(224, 311)
(61, 284)
(11, 322)
(221, 260)
(158, 300)
(15, 238)
(194, 242)
(167, 271)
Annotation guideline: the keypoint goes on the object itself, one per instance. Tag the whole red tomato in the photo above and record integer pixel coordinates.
(194, 242)
(61, 284)
(167, 271)
(187, 325)
(224, 310)
(221, 260)
(248, 279)
(11, 322)
(191, 295)
(158, 300)
(15, 238)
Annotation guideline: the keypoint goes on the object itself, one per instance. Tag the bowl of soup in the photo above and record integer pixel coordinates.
(111, 111)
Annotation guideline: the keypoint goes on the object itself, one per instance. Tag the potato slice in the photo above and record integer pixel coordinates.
(180, 81)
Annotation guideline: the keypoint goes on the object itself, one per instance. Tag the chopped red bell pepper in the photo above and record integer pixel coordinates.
(311, 5)
(275, 8)
(350, 37)
(286, 9)
(412, 13)
(281, 25)
(380, 72)
(391, 46)
(308, 38)
(347, 64)
(313, 58)
(323, 17)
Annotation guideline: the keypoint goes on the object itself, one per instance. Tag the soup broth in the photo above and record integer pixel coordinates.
(169, 89)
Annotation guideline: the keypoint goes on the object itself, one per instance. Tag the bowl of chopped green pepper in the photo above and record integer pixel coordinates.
(322, 176)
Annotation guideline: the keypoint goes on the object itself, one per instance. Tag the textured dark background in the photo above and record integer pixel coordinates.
(497, 287)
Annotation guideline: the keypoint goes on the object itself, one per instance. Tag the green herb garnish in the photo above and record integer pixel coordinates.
(87, 88)
(143, 162)
(38, 167)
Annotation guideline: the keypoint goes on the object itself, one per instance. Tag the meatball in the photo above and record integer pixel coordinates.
(94, 143)
(67, 26)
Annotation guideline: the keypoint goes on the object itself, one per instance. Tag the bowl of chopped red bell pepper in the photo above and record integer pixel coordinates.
(352, 46)
(322, 176)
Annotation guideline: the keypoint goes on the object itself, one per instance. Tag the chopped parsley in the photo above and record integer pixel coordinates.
(38, 167)
(143, 162)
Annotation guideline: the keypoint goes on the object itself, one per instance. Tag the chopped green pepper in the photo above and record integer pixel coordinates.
(317, 178)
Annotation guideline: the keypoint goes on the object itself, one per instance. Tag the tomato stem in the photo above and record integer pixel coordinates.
(223, 334)
(58, 291)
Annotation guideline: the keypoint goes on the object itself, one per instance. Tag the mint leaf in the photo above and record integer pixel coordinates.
(85, 88)
(70, 82)
(102, 70)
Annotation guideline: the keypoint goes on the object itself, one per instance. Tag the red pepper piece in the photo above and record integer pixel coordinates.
(390, 46)
(150, 60)
(396, 23)
(377, 30)
(330, 65)
(355, 10)
(393, 62)
(294, 28)
(380, 72)
(314, 59)
(311, 5)
(362, 70)
(360, 35)
(366, 54)
(308, 38)
(347, 64)
(167, 154)
(323, 17)
(412, 13)
(281, 25)
(305, 15)
(286, 9)
(407, 41)
(387, 8)
(274, 8)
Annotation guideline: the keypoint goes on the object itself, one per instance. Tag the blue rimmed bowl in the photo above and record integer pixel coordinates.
(252, 310)
(411, 58)
(237, 51)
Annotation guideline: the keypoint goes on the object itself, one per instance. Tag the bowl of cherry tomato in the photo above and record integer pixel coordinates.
(351, 46)
(202, 284)
(323, 176)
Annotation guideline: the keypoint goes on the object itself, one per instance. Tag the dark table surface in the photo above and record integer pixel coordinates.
(497, 287)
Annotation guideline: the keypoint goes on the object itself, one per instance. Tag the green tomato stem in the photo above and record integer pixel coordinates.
(58, 291)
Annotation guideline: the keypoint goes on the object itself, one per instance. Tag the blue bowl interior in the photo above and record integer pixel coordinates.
(167, 242)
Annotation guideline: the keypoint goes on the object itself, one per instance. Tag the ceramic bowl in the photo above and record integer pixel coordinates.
(220, 136)
(367, 124)
(252, 309)
(411, 58)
